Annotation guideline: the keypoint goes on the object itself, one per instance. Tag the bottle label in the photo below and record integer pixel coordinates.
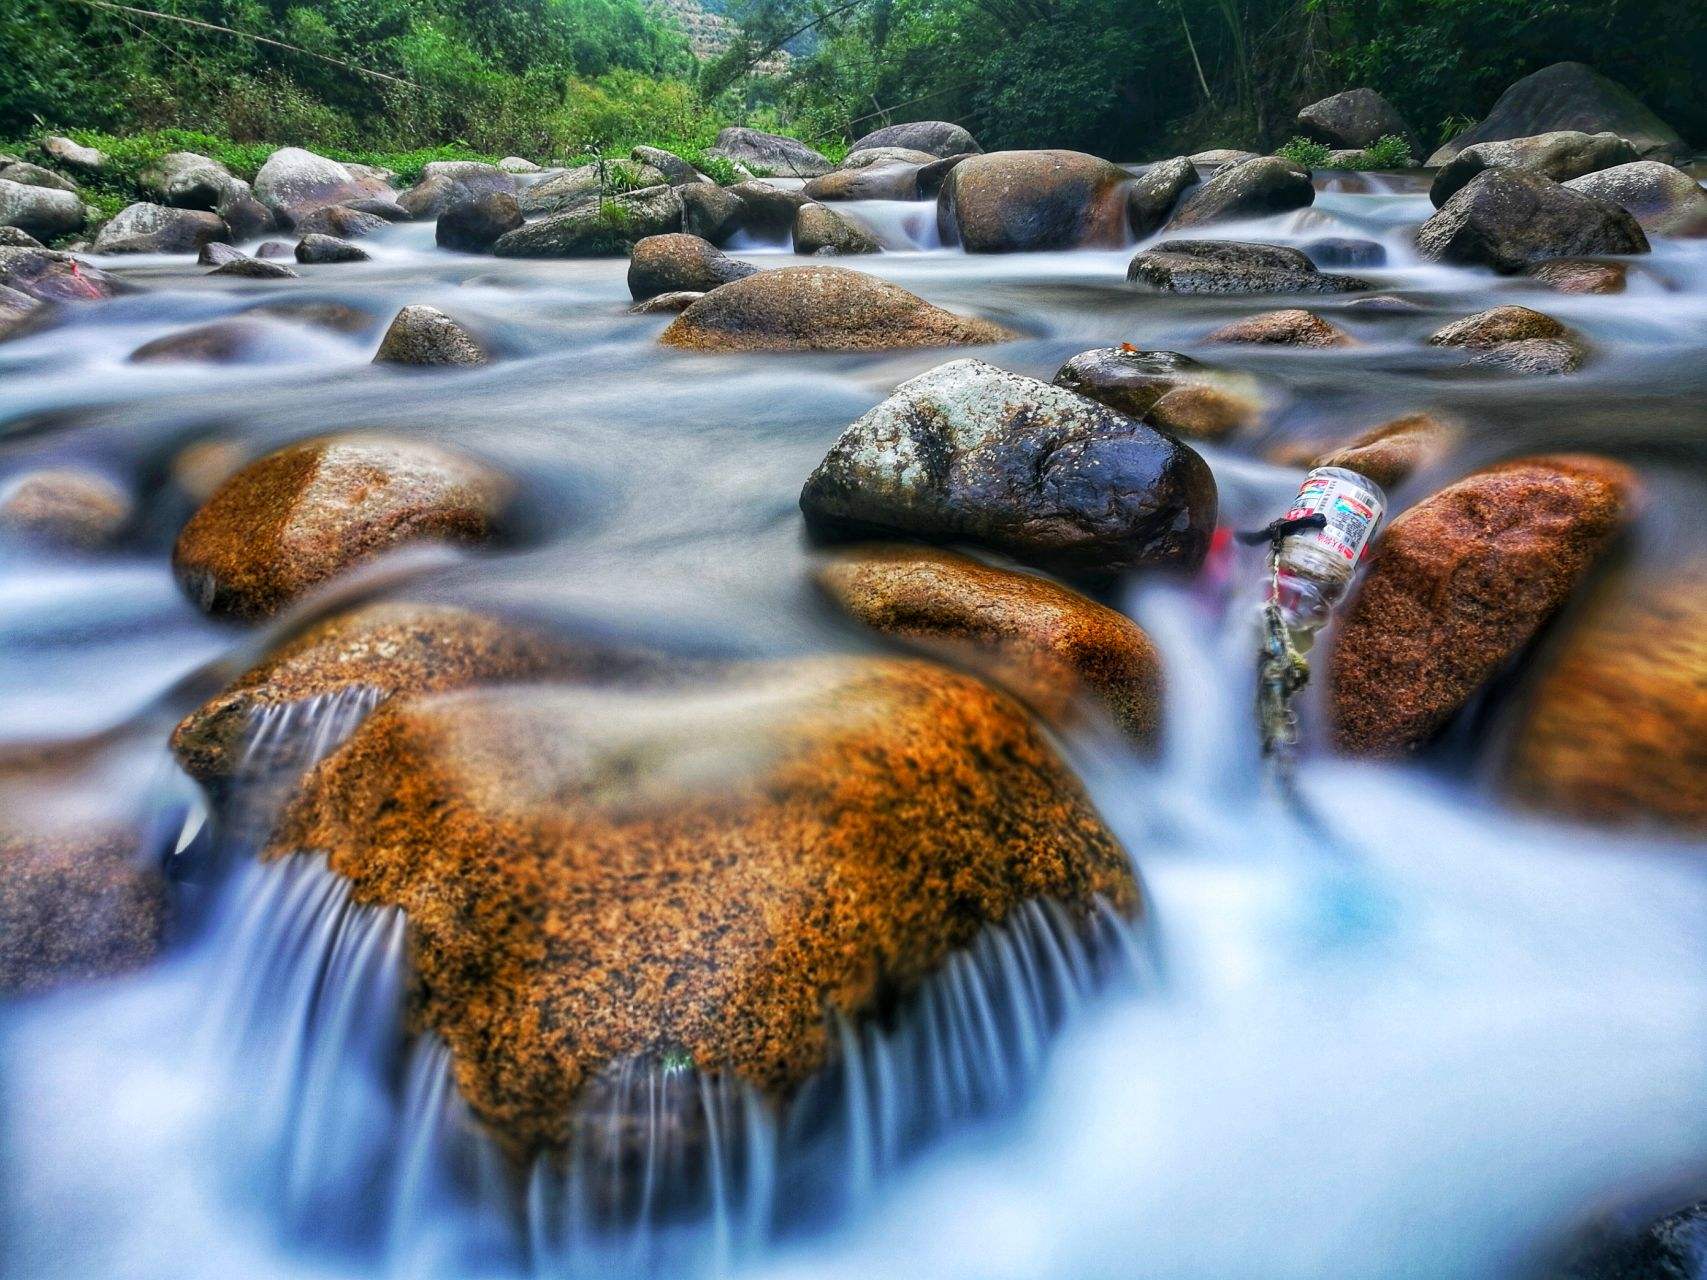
(1353, 506)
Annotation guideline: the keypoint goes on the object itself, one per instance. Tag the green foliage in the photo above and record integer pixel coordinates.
(1387, 152)
(720, 169)
(1302, 151)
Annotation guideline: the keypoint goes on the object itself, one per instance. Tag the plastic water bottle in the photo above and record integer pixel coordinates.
(1316, 565)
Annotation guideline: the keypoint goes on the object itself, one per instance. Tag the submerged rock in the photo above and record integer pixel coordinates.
(770, 153)
(971, 453)
(226, 341)
(1506, 219)
(1666, 201)
(790, 842)
(1561, 155)
(1151, 199)
(819, 230)
(1516, 338)
(64, 506)
(1024, 201)
(1287, 328)
(475, 223)
(1392, 452)
(821, 309)
(421, 335)
(317, 249)
(1569, 95)
(1231, 266)
(675, 263)
(215, 253)
(1344, 251)
(1354, 121)
(1041, 641)
(609, 228)
(1581, 275)
(1616, 729)
(939, 137)
(380, 650)
(1533, 356)
(1458, 586)
(1127, 379)
(1249, 189)
(154, 228)
(300, 516)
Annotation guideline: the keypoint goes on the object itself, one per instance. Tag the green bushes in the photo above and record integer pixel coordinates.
(1387, 152)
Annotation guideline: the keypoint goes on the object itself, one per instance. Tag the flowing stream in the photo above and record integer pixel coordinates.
(1426, 1044)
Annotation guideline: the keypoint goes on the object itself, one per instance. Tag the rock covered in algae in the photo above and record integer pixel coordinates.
(1045, 642)
(594, 877)
(290, 521)
(1458, 586)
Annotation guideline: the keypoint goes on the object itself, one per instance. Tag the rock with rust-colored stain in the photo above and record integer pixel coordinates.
(1046, 643)
(1616, 731)
(298, 517)
(821, 309)
(383, 649)
(594, 878)
(1291, 327)
(1392, 452)
(1458, 586)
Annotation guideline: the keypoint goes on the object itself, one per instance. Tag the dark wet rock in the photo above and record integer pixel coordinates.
(1495, 326)
(806, 841)
(1386, 303)
(1288, 328)
(48, 276)
(293, 183)
(63, 506)
(1022, 201)
(40, 211)
(428, 198)
(76, 905)
(1561, 155)
(383, 650)
(472, 176)
(1532, 356)
(290, 521)
(427, 336)
(873, 182)
(228, 341)
(246, 268)
(1342, 251)
(675, 263)
(1457, 587)
(475, 223)
(80, 159)
(821, 309)
(15, 238)
(1151, 199)
(1506, 219)
(339, 221)
(675, 171)
(1392, 452)
(930, 177)
(1249, 189)
(1354, 120)
(710, 212)
(939, 137)
(33, 175)
(1615, 730)
(771, 153)
(1230, 266)
(866, 157)
(666, 303)
(767, 210)
(247, 218)
(1127, 379)
(319, 249)
(824, 231)
(1569, 95)
(1202, 411)
(971, 453)
(1665, 200)
(1581, 275)
(597, 229)
(216, 254)
(1043, 642)
(154, 228)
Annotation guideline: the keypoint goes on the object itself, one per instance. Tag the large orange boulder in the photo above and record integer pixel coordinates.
(593, 878)
(1458, 586)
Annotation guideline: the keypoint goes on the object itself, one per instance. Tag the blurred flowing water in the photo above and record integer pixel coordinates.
(1423, 1045)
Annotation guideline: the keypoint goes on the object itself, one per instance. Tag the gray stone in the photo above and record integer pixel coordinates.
(474, 223)
(1666, 201)
(517, 164)
(770, 153)
(40, 211)
(1354, 120)
(819, 230)
(33, 175)
(55, 277)
(891, 181)
(674, 262)
(427, 336)
(341, 221)
(711, 212)
(1025, 201)
(471, 175)
(316, 249)
(767, 210)
(671, 168)
(1231, 266)
(87, 161)
(938, 137)
(1561, 155)
(1249, 189)
(607, 228)
(154, 228)
(293, 183)
(1151, 199)
(665, 303)
(254, 269)
(1506, 219)
(1570, 95)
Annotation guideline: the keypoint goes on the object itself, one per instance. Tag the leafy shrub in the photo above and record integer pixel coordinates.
(1387, 152)
(1302, 151)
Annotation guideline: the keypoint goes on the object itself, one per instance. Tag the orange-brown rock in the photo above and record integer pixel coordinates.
(66, 506)
(1047, 644)
(1458, 586)
(1616, 731)
(597, 877)
(1390, 453)
(1291, 327)
(298, 517)
(385, 649)
(1204, 412)
(1581, 275)
(821, 309)
(1495, 326)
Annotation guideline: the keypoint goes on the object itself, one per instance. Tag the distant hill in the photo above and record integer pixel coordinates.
(709, 33)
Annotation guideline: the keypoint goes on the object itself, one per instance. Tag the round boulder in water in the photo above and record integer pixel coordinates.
(1291, 327)
(825, 231)
(1050, 646)
(1665, 200)
(473, 223)
(597, 228)
(1390, 453)
(1022, 201)
(1561, 155)
(971, 453)
(321, 249)
(870, 182)
(293, 183)
(64, 506)
(1458, 586)
(421, 335)
(1151, 199)
(228, 341)
(704, 874)
(1507, 219)
(821, 309)
(1251, 188)
(298, 517)
(341, 221)
(1231, 266)
(676, 263)
(767, 210)
(154, 228)
(1127, 379)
